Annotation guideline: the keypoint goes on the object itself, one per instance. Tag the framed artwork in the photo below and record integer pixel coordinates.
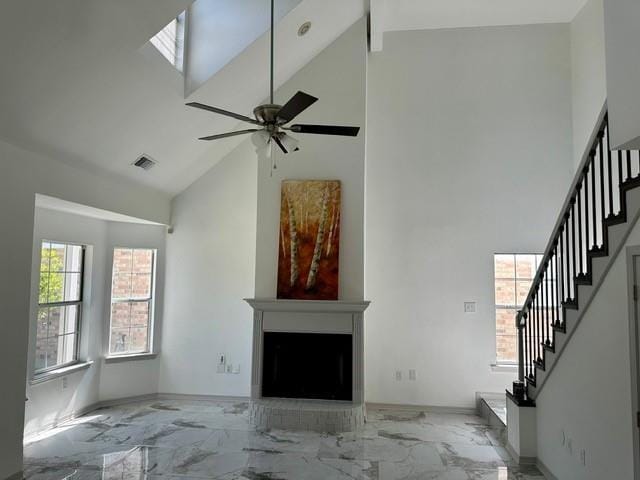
(309, 246)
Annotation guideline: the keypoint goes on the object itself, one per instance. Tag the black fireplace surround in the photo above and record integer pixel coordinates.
(307, 365)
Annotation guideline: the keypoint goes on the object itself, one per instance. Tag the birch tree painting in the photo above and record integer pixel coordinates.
(309, 243)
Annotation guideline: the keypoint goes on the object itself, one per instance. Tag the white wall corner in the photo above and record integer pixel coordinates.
(522, 433)
(377, 10)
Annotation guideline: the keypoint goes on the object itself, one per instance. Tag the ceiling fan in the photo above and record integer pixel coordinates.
(272, 119)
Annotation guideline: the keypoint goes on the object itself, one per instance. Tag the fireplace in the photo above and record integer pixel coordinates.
(307, 365)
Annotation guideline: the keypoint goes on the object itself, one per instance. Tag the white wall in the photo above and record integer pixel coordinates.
(48, 402)
(22, 175)
(621, 18)
(588, 73)
(588, 395)
(225, 240)
(210, 269)
(337, 76)
(136, 377)
(469, 153)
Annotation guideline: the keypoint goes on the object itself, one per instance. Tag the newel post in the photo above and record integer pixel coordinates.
(518, 385)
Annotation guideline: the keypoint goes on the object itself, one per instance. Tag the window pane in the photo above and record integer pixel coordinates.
(69, 322)
(140, 314)
(73, 262)
(56, 257)
(142, 261)
(526, 266)
(504, 266)
(120, 315)
(72, 287)
(55, 289)
(52, 352)
(119, 342)
(141, 285)
(44, 288)
(523, 290)
(44, 256)
(122, 258)
(506, 335)
(138, 341)
(121, 286)
(67, 348)
(505, 292)
(56, 321)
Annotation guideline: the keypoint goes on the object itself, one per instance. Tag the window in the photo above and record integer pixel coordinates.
(59, 305)
(513, 277)
(170, 41)
(132, 289)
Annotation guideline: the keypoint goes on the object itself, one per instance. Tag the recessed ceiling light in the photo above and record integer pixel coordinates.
(304, 28)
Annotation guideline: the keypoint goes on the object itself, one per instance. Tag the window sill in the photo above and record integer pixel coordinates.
(60, 372)
(504, 367)
(126, 358)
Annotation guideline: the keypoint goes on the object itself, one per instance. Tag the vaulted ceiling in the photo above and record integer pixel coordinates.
(80, 82)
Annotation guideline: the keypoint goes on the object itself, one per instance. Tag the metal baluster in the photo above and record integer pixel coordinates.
(529, 336)
(558, 291)
(592, 165)
(543, 302)
(585, 181)
(573, 245)
(620, 178)
(537, 329)
(566, 254)
(579, 195)
(610, 174)
(547, 310)
(602, 196)
(561, 278)
(628, 165)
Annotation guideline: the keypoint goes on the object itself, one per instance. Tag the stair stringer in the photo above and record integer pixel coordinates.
(616, 237)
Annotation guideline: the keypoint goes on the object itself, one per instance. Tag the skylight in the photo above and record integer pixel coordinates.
(170, 41)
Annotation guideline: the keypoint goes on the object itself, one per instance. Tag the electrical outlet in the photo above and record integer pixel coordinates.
(64, 383)
(236, 368)
(398, 375)
(412, 374)
(230, 368)
(469, 307)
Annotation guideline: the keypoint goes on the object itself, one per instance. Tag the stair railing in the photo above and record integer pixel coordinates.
(593, 203)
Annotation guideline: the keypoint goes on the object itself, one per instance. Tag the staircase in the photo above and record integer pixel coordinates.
(598, 214)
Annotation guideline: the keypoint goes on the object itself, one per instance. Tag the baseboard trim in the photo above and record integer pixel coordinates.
(218, 398)
(545, 471)
(517, 458)
(420, 408)
(16, 476)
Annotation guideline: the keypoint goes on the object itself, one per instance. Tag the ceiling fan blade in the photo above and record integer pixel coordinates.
(220, 111)
(279, 143)
(326, 130)
(230, 134)
(296, 104)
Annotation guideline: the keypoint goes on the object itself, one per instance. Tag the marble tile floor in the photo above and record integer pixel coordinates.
(190, 440)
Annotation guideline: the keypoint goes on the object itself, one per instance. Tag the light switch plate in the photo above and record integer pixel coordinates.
(469, 307)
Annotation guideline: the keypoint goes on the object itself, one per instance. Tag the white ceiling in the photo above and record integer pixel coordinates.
(395, 15)
(78, 83)
(53, 203)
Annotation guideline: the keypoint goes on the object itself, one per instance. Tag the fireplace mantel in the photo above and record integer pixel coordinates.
(319, 306)
(308, 316)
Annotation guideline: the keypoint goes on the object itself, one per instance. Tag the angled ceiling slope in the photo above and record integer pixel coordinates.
(82, 88)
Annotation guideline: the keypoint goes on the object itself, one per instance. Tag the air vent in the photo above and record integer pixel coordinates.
(144, 162)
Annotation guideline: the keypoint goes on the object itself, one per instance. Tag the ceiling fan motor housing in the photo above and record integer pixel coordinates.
(268, 114)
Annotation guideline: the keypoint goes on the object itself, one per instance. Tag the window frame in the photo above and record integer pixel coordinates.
(149, 351)
(43, 372)
(496, 306)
